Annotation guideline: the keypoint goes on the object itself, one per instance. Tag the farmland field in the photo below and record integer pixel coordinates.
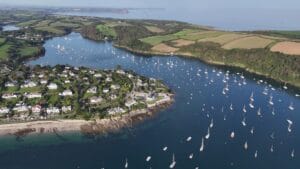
(164, 48)
(201, 35)
(252, 42)
(155, 40)
(223, 39)
(50, 30)
(290, 48)
(4, 51)
(182, 42)
(106, 30)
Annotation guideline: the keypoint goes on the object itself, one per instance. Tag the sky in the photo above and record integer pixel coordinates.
(206, 4)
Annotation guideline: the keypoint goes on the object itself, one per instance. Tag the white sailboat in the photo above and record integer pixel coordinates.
(290, 123)
(172, 165)
(211, 125)
(252, 97)
(208, 133)
(165, 148)
(231, 107)
(271, 101)
(126, 163)
(273, 112)
(232, 135)
(293, 153)
(244, 109)
(272, 149)
(251, 104)
(189, 139)
(148, 158)
(191, 156)
(259, 112)
(291, 106)
(246, 145)
(256, 154)
(252, 130)
(244, 122)
(202, 145)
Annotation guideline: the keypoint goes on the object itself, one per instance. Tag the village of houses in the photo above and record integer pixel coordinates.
(58, 92)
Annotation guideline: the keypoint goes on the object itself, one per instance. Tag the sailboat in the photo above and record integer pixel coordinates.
(244, 109)
(272, 149)
(259, 112)
(232, 134)
(211, 125)
(202, 145)
(126, 163)
(256, 154)
(189, 139)
(252, 130)
(293, 153)
(231, 107)
(244, 122)
(165, 148)
(252, 97)
(290, 125)
(246, 145)
(291, 106)
(251, 104)
(208, 134)
(172, 165)
(273, 112)
(191, 156)
(271, 101)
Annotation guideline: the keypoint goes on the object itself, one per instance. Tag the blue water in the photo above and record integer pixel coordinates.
(10, 28)
(198, 100)
(227, 19)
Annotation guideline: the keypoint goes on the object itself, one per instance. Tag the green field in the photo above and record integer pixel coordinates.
(50, 30)
(106, 31)
(223, 39)
(4, 49)
(2, 40)
(28, 51)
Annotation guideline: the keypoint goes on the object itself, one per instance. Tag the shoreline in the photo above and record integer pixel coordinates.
(89, 128)
(209, 62)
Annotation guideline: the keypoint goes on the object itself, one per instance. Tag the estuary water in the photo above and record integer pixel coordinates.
(212, 106)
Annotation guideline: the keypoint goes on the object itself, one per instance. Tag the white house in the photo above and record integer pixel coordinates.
(92, 90)
(21, 108)
(36, 109)
(98, 75)
(33, 95)
(115, 86)
(122, 72)
(4, 110)
(66, 109)
(116, 110)
(9, 84)
(130, 103)
(9, 96)
(105, 90)
(44, 81)
(95, 100)
(108, 79)
(29, 84)
(52, 110)
(52, 86)
(66, 93)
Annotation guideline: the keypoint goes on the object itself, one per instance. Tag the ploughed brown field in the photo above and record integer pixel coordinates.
(164, 48)
(290, 48)
(182, 42)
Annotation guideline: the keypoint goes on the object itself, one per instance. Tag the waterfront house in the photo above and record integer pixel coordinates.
(130, 103)
(66, 109)
(92, 90)
(33, 95)
(43, 81)
(108, 79)
(130, 76)
(66, 93)
(36, 109)
(21, 108)
(52, 86)
(115, 86)
(122, 72)
(29, 84)
(67, 81)
(9, 84)
(116, 110)
(105, 90)
(95, 100)
(9, 96)
(4, 110)
(113, 97)
(98, 75)
(52, 110)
